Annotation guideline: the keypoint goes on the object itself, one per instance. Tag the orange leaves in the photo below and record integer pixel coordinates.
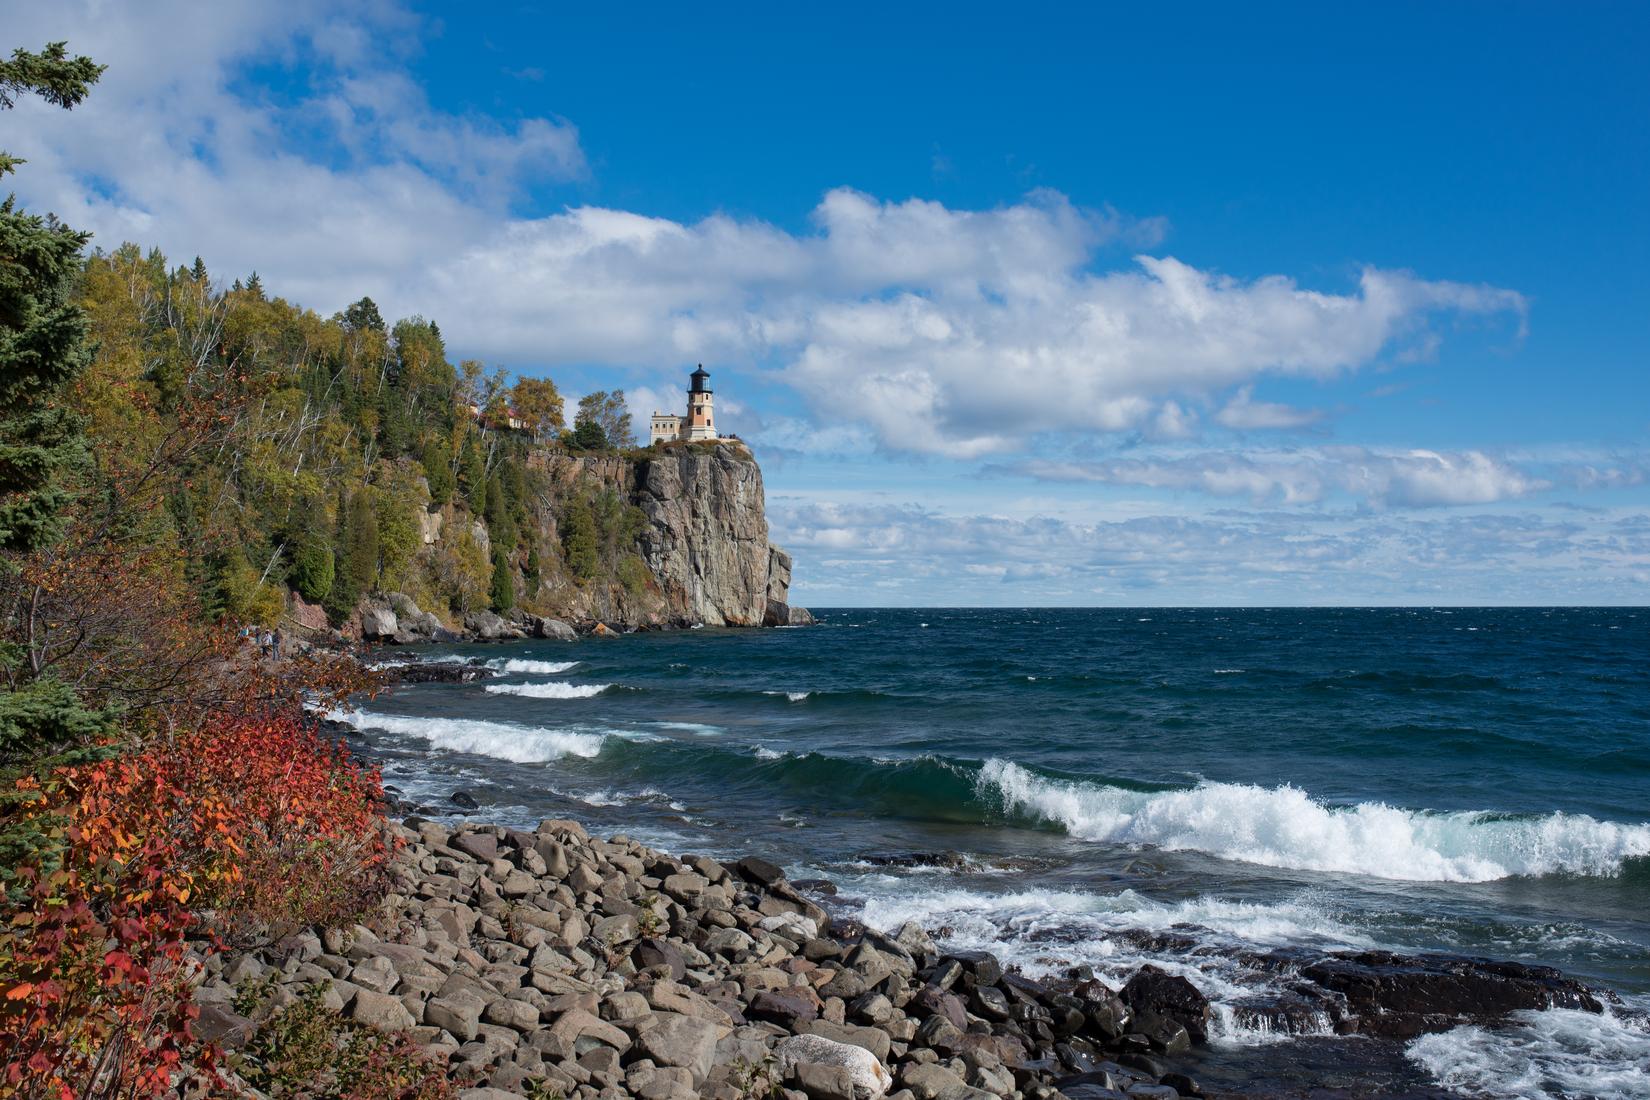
(254, 818)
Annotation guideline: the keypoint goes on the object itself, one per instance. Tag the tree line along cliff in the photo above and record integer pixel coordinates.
(314, 463)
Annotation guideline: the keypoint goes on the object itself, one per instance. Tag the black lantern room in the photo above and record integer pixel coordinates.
(700, 377)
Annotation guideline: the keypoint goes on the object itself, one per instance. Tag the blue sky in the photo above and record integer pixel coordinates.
(1201, 304)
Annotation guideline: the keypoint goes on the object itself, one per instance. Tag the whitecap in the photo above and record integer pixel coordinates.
(523, 665)
(698, 729)
(518, 744)
(1043, 932)
(1286, 827)
(793, 696)
(1557, 1052)
(555, 689)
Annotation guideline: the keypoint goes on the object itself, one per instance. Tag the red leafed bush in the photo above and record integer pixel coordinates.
(258, 821)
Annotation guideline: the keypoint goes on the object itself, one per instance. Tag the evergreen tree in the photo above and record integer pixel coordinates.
(255, 286)
(503, 590)
(363, 541)
(578, 539)
(312, 564)
(198, 272)
(363, 316)
(438, 472)
(42, 340)
(535, 567)
(43, 723)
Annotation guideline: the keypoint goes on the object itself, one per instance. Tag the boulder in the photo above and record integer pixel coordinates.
(458, 1015)
(677, 1040)
(863, 1069)
(554, 629)
(486, 626)
(1401, 996)
(1151, 990)
(659, 952)
(378, 624)
(785, 1007)
(759, 871)
(380, 1010)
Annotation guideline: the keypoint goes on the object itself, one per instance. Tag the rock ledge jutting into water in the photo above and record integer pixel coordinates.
(557, 962)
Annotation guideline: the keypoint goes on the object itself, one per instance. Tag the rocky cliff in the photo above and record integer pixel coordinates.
(684, 542)
(707, 538)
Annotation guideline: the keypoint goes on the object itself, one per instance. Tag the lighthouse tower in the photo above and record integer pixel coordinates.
(700, 423)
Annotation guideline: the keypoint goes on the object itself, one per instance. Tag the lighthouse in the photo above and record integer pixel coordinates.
(700, 421)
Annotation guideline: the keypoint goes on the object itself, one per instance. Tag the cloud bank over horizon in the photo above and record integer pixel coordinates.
(1064, 345)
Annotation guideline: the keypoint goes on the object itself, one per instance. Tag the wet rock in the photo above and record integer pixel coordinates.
(759, 871)
(1153, 991)
(1402, 996)
(465, 800)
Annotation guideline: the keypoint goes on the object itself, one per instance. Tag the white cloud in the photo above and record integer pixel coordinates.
(944, 331)
(918, 556)
(1243, 413)
(1411, 478)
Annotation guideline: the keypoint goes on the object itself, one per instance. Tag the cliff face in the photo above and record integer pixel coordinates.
(704, 542)
(707, 539)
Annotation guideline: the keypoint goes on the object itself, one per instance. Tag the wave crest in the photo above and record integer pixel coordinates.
(522, 664)
(1286, 827)
(556, 689)
(518, 744)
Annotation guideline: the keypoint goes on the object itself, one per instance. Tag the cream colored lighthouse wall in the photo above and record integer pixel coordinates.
(700, 421)
(665, 427)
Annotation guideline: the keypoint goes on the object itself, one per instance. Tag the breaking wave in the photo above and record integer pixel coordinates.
(522, 664)
(1286, 827)
(1554, 1053)
(556, 689)
(518, 744)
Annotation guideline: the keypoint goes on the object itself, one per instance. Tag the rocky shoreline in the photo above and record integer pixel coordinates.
(395, 619)
(552, 963)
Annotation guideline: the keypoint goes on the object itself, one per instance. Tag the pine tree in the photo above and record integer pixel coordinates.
(578, 539)
(503, 591)
(255, 286)
(312, 564)
(438, 472)
(198, 272)
(535, 567)
(363, 315)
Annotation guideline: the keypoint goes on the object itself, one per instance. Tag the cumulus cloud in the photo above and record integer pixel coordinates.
(944, 331)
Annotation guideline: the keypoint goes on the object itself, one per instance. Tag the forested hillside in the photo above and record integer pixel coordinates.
(329, 458)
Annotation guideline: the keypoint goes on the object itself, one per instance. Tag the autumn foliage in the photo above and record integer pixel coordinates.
(243, 827)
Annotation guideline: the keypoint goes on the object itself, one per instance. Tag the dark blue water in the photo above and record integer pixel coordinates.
(1465, 780)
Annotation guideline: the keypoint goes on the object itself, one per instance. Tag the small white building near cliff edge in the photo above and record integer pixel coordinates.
(699, 423)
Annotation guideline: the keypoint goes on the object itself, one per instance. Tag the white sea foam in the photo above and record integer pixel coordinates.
(555, 689)
(1286, 827)
(523, 665)
(765, 753)
(1554, 1053)
(698, 729)
(518, 744)
(1044, 932)
(793, 696)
